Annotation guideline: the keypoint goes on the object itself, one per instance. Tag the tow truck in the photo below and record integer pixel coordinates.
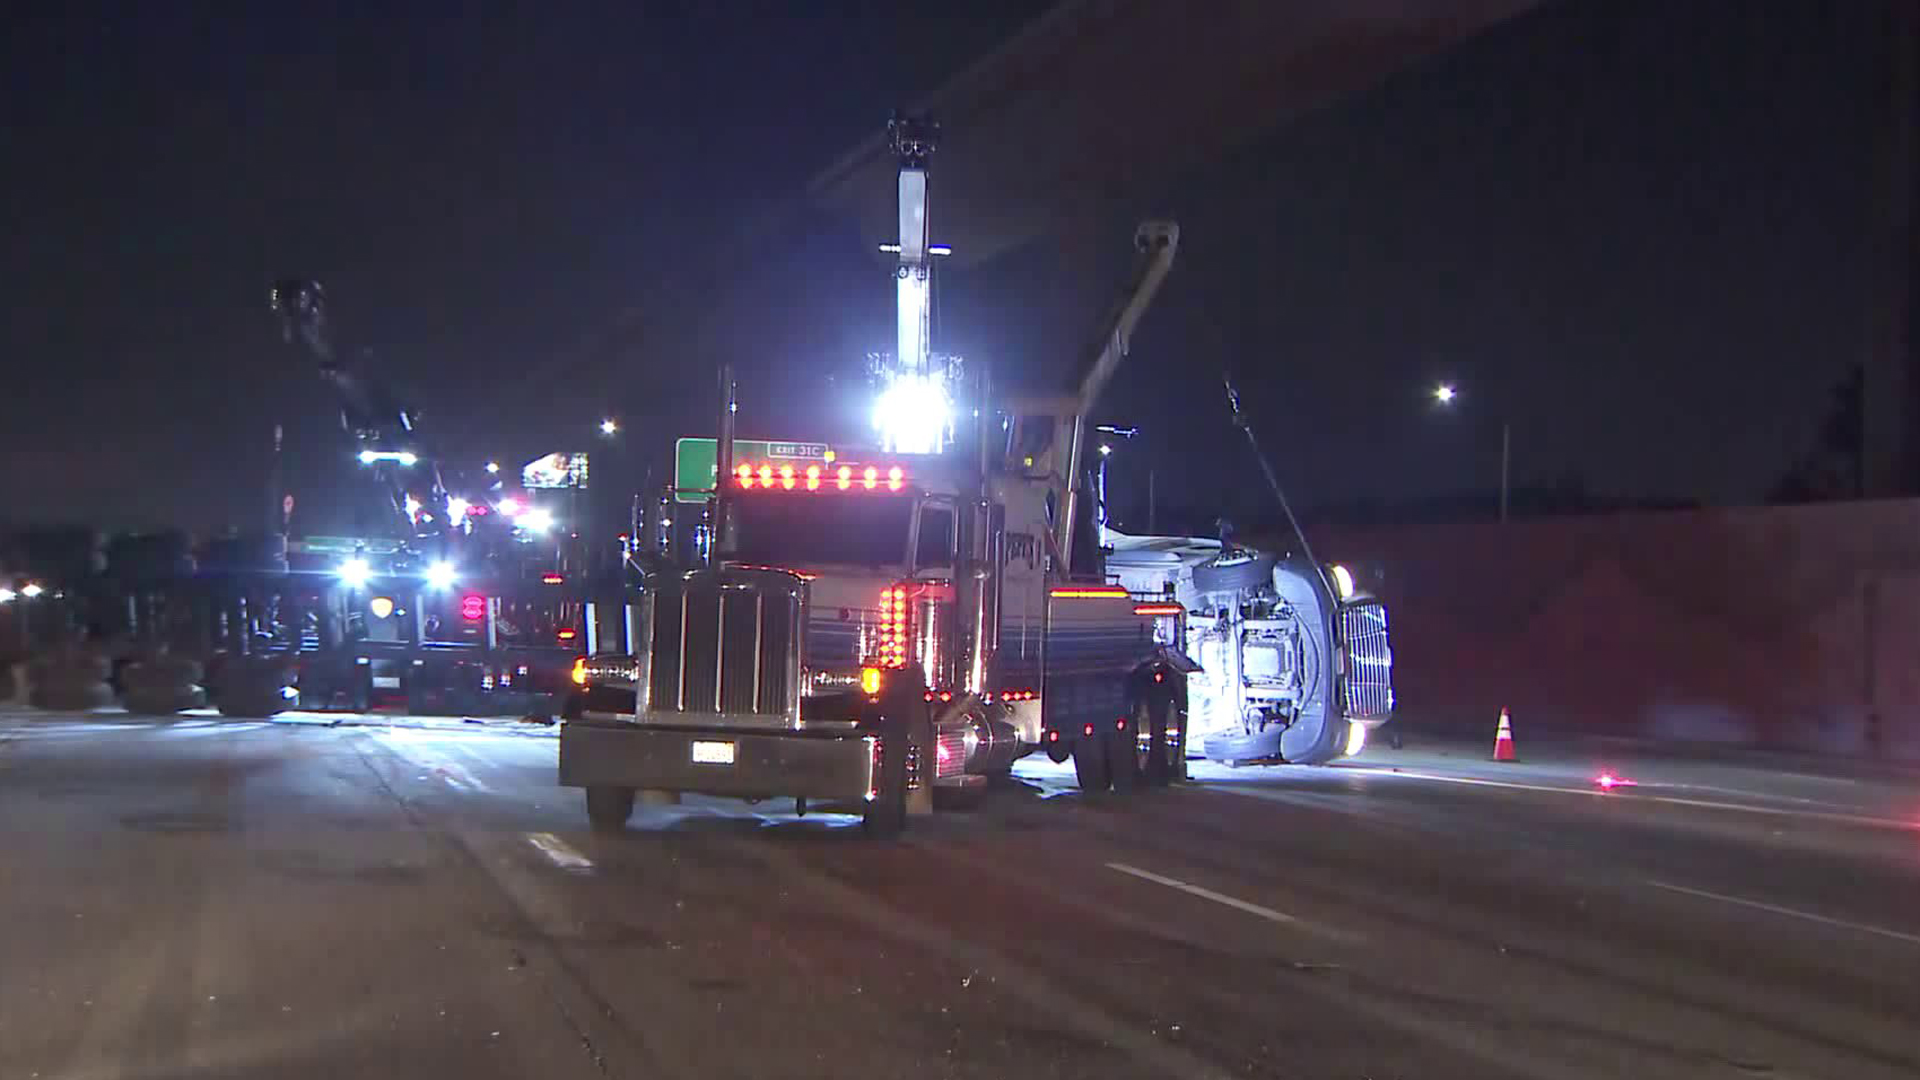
(867, 626)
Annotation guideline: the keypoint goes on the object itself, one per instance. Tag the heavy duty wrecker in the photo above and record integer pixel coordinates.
(870, 626)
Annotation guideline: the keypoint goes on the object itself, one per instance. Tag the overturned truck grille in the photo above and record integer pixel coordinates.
(1368, 686)
(726, 644)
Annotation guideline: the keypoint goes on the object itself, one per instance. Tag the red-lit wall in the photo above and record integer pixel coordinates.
(1792, 627)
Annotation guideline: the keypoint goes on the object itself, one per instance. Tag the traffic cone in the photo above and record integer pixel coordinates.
(1503, 739)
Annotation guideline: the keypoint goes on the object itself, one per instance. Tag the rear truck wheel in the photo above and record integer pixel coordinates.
(1123, 749)
(608, 808)
(1090, 763)
(885, 816)
(1166, 758)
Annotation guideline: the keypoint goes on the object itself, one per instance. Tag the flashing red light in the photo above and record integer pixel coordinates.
(766, 475)
(473, 607)
(1120, 724)
(1159, 676)
(894, 477)
(946, 695)
(813, 478)
(1053, 736)
(553, 579)
(1089, 731)
(745, 473)
(870, 477)
(568, 634)
(1609, 781)
(479, 510)
(843, 478)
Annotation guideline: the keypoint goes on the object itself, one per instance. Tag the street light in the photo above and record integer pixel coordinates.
(493, 467)
(608, 426)
(31, 589)
(1445, 394)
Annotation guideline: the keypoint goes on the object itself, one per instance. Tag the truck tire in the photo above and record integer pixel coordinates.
(253, 687)
(67, 692)
(161, 685)
(1090, 764)
(608, 808)
(886, 814)
(1167, 756)
(1234, 575)
(1123, 750)
(162, 700)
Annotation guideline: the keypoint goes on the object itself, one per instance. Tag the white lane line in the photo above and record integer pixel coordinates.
(1864, 928)
(559, 852)
(458, 777)
(1234, 902)
(1639, 795)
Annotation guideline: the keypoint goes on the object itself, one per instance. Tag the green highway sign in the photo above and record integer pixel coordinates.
(696, 462)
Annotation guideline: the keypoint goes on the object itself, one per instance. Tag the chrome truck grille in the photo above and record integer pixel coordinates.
(1368, 685)
(725, 648)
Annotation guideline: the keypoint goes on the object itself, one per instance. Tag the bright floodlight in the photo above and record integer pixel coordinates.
(608, 427)
(31, 589)
(368, 457)
(440, 575)
(537, 520)
(354, 573)
(912, 415)
(407, 457)
(493, 467)
(511, 508)
(7, 595)
(1343, 581)
(1445, 393)
(1105, 449)
(457, 507)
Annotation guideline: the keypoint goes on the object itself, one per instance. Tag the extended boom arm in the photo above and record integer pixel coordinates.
(1156, 243)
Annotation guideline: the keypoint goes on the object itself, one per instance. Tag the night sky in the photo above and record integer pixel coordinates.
(1636, 230)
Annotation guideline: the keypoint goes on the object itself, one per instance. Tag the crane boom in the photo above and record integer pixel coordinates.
(1155, 243)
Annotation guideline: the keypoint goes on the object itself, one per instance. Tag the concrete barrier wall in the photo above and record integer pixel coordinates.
(1790, 627)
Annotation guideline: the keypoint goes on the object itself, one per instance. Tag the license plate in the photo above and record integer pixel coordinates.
(712, 753)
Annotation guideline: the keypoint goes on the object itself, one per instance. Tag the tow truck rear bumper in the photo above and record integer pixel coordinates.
(826, 767)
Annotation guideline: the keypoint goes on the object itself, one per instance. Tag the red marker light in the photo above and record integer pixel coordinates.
(1089, 731)
(473, 607)
(1609, 781)
(552, 579)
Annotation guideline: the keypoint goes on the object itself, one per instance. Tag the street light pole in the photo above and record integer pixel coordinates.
(1445, 395)
(1506, 461)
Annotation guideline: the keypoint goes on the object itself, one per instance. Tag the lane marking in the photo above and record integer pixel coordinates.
(1637, 796)
(559, 852)
(1234, 902)
(1864, 928)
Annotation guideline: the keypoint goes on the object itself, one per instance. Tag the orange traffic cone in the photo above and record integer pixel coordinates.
(1503, 739)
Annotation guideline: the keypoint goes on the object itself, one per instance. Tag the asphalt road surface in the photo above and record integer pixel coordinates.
(214, 899)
